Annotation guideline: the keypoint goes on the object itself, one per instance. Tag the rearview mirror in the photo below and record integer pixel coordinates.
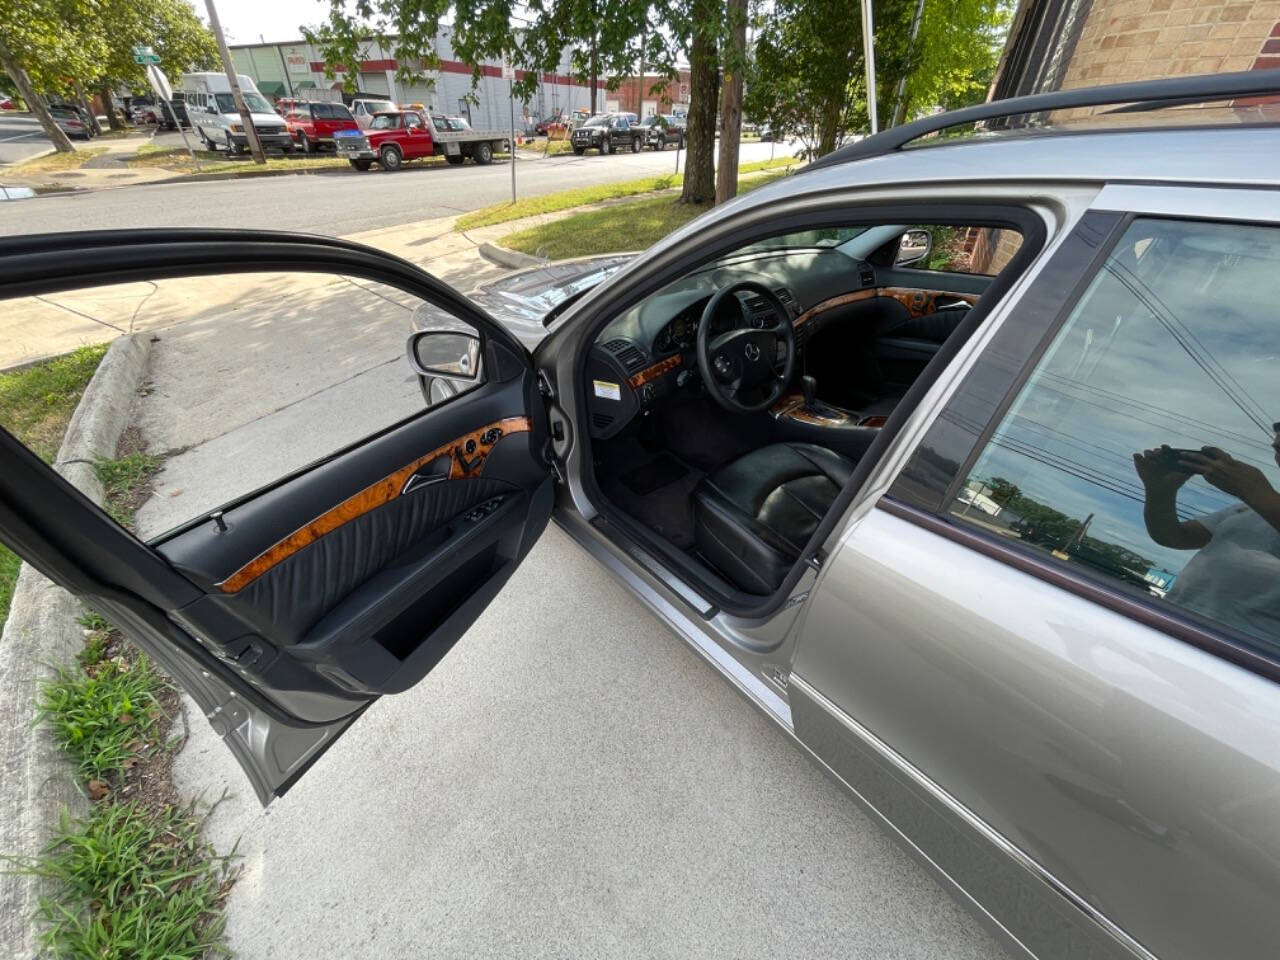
(915, 245)
(445, 353)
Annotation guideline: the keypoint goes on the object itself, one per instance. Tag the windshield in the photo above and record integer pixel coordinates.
(820, 237)
(386, 121)
(252, 99)
(597, 122)
(379, 106)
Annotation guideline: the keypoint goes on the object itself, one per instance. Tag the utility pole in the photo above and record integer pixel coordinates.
(236, 95)
(869, 54)
(900, 98)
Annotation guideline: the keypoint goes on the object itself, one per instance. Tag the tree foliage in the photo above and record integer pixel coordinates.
(605, 38)
(63, 47)
(808, 72)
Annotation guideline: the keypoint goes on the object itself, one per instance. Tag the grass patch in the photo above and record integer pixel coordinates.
(36, 402)
(566, 199)
(126, 479)
(626, 226)
(36, 405)
(60, 161)
(134, 880)
(103, 710)
(133, 884)
(178, 160)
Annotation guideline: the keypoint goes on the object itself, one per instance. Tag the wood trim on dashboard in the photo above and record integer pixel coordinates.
(467, 455)
(638, 380)
(832, 302)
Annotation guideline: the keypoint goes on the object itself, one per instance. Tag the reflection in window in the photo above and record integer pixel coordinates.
(1143, 448)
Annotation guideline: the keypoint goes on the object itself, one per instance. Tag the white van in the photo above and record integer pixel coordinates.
(216, 120)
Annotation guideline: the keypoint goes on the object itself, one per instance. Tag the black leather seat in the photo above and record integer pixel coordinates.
(755, 515)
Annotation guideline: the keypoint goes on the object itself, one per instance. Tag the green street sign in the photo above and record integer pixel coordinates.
(146, 58)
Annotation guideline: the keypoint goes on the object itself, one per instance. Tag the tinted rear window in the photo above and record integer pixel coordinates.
(330, 111)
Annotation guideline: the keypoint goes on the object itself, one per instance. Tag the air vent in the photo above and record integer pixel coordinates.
(628, 354)
(867, 277)
(784, 295)
(758, 305)
(601, 421)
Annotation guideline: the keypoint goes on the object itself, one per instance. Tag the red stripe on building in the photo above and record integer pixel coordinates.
(448, 66)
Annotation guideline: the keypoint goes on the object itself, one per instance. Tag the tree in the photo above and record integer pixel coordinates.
(699, 33)
(170, 27)
(735, 62)
(598, 35)
(44, 44)
(807, 77)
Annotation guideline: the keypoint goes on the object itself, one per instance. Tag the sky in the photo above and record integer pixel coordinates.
(249, 21)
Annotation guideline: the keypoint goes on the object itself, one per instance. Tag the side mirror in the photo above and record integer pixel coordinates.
(445, 353)
(915, 245)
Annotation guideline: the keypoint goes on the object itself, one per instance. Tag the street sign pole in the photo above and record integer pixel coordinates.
(509, 72)
(236, 94)
(160, 84)
(512, 94)
(869, 55)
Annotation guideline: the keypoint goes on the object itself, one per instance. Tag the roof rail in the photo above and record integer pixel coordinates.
(1142, 95)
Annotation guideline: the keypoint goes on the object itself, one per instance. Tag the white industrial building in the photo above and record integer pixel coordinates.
(297, 70)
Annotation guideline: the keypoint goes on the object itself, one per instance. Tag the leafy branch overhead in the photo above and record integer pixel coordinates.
(604, 38)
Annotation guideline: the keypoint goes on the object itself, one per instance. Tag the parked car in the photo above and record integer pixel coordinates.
(542, 127)
(959, 463)
(7, 103)
(312, 124)
(71, 121)
(365, 109)
(608, 134)
(661, 130)
(144, 110)
(176, 108)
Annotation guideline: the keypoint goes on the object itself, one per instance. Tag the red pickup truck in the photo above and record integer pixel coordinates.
(313, 123)
(394, 136)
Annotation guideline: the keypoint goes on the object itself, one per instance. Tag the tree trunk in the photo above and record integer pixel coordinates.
(104, 91)
(700, 136)
(35, 102)
(88, 108)
(731, 102)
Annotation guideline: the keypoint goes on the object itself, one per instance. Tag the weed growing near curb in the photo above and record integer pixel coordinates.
(133, 884)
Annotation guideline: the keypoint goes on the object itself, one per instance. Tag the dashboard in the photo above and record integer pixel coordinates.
(647, 353)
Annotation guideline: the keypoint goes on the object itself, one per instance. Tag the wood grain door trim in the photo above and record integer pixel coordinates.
(467, 455)
(918, 300)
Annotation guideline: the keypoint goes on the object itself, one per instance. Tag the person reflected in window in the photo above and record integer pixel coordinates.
(1235, 575)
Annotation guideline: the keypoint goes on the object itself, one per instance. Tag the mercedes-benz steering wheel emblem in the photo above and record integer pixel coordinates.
(752, 352)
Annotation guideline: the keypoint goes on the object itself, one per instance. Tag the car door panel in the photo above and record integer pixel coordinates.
(289, 609)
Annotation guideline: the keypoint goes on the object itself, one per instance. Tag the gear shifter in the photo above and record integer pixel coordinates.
(809, 386)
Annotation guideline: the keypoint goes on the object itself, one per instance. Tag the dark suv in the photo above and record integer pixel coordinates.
(608, 134)
(661, 130)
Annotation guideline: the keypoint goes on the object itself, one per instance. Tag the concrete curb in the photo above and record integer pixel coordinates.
(513, 259)
(36, 782)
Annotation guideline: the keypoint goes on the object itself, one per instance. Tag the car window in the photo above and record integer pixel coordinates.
(323, 358)
(413, 121)
(330, 111)
(386, 121)
(1143, 448)
(950, 249)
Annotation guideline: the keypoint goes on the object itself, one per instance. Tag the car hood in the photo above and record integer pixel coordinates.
(263, 119)
(520, 301)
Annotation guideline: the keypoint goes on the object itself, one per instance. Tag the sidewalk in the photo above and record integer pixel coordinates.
(38, 327)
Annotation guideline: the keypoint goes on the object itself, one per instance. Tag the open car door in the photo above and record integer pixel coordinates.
(287, 611)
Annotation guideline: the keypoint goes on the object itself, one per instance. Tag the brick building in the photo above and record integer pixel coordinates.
(1060, 44)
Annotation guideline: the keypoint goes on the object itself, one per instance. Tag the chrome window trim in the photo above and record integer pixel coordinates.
(957, 809)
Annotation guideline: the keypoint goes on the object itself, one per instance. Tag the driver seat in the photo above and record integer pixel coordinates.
(754, 516)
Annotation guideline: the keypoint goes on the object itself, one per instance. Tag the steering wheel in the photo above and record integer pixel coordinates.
(741, 367)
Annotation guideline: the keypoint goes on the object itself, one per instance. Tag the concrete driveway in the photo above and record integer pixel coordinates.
(571, 781)
(20, 137)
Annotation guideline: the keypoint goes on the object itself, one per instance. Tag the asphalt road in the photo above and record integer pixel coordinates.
(334, 204)
(20, 137)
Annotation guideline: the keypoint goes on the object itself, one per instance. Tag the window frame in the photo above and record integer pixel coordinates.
(929, 507)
